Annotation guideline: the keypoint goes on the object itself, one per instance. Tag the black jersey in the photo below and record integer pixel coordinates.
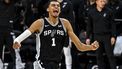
(52, 40)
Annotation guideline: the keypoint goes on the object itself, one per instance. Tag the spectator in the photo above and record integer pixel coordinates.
(101, 25)
(7, 17)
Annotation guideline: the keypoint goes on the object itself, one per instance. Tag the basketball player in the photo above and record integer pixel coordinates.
(67, 13)
(52, 31)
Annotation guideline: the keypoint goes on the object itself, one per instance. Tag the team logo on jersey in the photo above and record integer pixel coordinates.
(59, 25)
(53, 33)
(46, 25)
(104, 15)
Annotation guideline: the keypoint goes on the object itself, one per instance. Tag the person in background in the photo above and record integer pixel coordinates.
(7, 17)
(103, 29)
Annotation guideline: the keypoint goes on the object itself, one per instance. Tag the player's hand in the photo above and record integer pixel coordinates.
(16, 45)
(95, 45)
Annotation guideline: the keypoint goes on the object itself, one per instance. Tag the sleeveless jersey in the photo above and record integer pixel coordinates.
(52, 40)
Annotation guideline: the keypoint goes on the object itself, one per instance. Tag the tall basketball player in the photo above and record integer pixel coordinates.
(52, 32)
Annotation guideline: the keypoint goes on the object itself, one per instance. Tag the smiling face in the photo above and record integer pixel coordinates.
(54, 9)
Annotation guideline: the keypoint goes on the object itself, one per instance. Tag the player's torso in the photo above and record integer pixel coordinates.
(52, 40)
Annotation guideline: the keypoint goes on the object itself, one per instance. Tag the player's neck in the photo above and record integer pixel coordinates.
(53, 20)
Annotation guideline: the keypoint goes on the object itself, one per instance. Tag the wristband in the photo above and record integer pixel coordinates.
(23, 36)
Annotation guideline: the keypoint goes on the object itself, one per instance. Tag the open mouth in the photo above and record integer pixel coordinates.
(55, 11)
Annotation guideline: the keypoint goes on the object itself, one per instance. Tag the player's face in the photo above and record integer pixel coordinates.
(54, 9)
(101, 3)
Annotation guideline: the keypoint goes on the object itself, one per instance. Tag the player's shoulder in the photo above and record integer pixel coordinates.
(64, 20)
(40, 20)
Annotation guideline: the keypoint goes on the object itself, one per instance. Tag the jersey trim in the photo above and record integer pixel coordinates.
(38, 44)
(63, 24)
(50, 22)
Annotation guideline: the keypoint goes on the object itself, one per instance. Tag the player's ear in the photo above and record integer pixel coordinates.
(47, 9)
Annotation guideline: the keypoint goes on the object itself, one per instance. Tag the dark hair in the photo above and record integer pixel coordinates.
(48, 3)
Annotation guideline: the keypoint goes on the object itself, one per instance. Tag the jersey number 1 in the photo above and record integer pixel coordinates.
(53, 42)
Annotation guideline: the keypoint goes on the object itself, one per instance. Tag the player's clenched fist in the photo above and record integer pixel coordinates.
(95, 45)
(16, 45)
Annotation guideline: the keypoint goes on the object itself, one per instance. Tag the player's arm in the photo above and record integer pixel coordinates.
(35, 27)
(79, 45)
